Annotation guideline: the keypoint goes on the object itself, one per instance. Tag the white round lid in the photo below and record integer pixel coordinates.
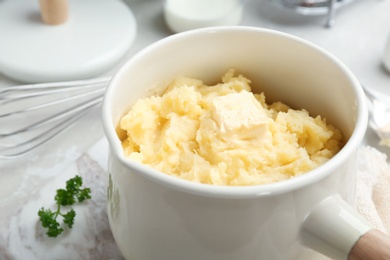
(96, 35)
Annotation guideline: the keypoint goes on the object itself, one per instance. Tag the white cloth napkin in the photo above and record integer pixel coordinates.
(373, 187)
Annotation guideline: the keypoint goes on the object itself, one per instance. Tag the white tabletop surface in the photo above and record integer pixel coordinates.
(357, 39)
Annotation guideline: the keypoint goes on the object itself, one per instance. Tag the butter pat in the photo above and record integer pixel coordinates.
(240, 115)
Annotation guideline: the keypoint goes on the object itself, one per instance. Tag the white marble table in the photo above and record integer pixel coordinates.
(27, 184)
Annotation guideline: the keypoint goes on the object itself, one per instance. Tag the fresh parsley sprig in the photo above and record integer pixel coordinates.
(72, 194)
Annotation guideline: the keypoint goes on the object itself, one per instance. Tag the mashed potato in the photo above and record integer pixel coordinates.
(225, 135)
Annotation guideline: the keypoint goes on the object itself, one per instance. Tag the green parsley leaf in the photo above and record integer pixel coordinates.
(69, 218)
(84, 194)
(64, 197)
(46, 217)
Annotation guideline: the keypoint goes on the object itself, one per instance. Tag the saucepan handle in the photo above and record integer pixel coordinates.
(336, 230)
(372, 245)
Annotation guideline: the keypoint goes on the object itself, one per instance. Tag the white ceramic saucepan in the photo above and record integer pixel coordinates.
(156, 216)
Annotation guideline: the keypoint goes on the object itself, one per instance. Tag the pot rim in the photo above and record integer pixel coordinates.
(237, 192)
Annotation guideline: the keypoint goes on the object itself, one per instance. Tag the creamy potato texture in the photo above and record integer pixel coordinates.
(225, 135)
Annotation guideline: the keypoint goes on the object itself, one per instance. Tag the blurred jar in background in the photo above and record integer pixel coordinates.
(183, 15)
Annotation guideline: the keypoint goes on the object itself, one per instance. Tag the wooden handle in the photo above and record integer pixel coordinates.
(54, 12)
(373, 245)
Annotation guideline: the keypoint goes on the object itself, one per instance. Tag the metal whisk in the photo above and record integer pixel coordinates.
(31, 115)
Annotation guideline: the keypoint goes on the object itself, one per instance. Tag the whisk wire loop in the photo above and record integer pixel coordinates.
(49, 109)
